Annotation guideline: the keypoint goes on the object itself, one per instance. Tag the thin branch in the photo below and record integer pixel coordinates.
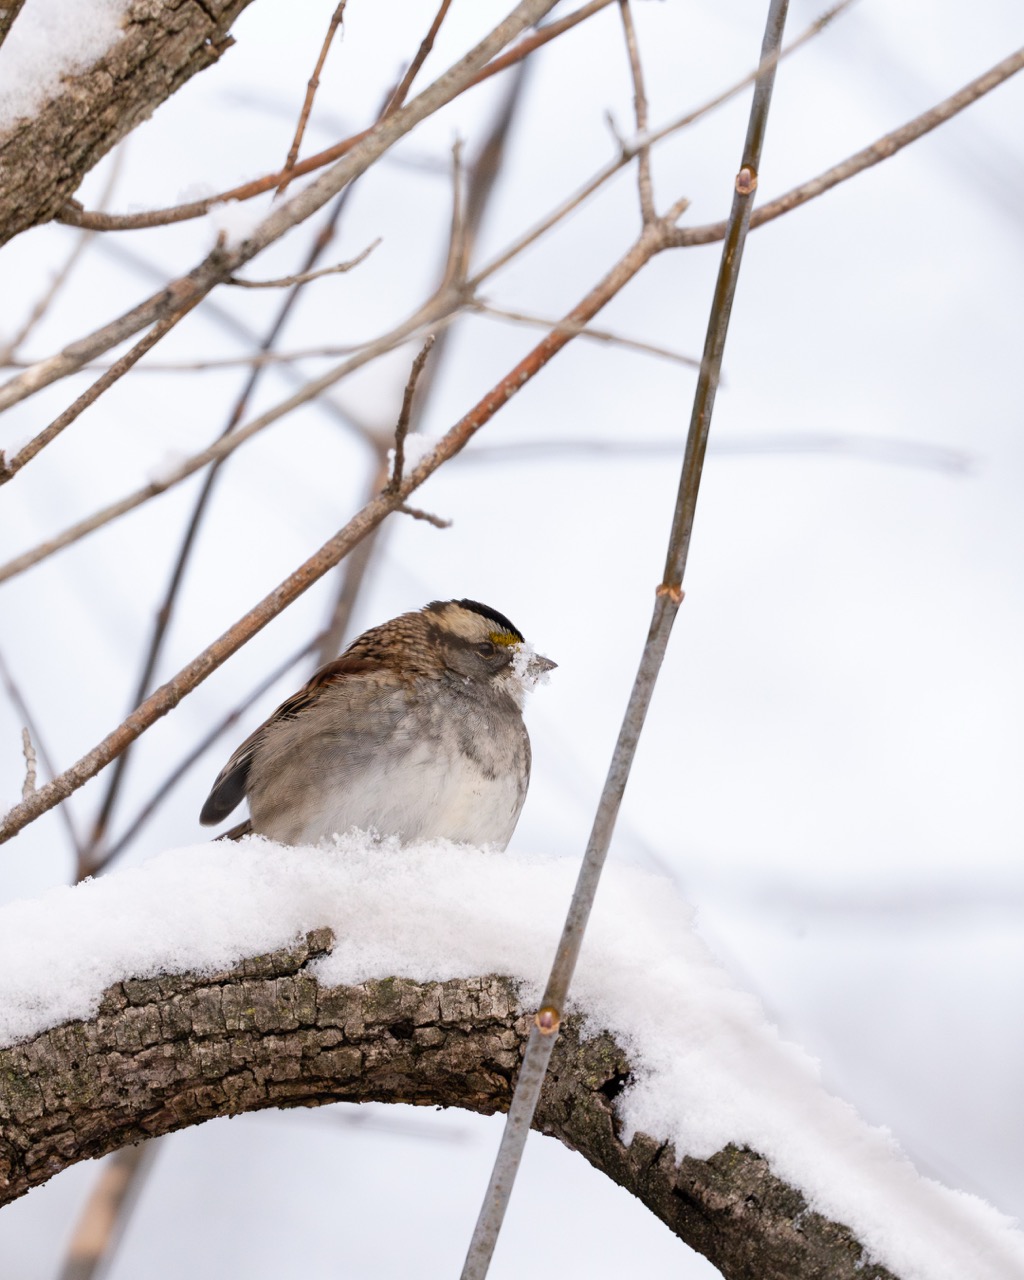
(644, 185)
(426, 44)
(418, 513)
(454, 267)
(10, 467)
(876, 152)
(21, 706)
(354, 570)
(483, 308)
(254, 360)
(540, 37)
(307, 104)
(29, 752)
(304, 277)
(668, 597)
(402, 428)
(225, 261)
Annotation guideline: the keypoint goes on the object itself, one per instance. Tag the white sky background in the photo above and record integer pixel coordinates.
(832, 766)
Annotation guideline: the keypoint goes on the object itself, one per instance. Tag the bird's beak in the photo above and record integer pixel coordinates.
(538, 665)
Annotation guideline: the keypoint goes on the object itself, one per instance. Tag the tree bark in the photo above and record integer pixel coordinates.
(45, 156)
(169, 1052)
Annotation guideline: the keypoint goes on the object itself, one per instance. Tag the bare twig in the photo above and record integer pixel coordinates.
(304, 277)
(21, 706)
(29, 752)
(426, 44)
(880, 150)
(10, 467)
(402, 428)
(254, 360)
(418, 513)
(354, 570)
(540, 37)
(644, 184)
(483, 308)
(668, 597)
(454, 268)
(307, 103)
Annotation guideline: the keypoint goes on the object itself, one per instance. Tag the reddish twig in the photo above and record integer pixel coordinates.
(402, 427)
(645, 187)
(426, 44)
(307, 102)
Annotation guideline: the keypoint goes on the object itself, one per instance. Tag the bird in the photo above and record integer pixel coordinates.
(416, 731)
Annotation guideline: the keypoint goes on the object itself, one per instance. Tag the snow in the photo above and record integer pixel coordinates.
(710, 1069)
(415, 448)
(530, 674)
(233, 221)
(49, 40)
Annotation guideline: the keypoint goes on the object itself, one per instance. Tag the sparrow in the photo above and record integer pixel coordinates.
(416, 731)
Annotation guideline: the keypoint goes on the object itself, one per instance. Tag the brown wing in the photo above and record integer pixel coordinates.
(229, 789)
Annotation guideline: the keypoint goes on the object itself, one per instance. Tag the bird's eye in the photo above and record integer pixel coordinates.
(486, 650)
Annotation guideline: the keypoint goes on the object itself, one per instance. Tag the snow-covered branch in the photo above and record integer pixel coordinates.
(168, 1052)
(46, 150)
(229, 978)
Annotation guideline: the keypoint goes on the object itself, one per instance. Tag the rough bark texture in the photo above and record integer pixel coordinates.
(169, 1052)
(44, 158)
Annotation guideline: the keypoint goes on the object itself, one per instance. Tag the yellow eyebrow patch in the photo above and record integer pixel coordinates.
(504, 637)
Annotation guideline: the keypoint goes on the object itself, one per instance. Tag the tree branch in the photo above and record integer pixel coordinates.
(45, 156)
(166, 1053)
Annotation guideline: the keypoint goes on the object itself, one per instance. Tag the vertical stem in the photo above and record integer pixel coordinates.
(668, 598)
